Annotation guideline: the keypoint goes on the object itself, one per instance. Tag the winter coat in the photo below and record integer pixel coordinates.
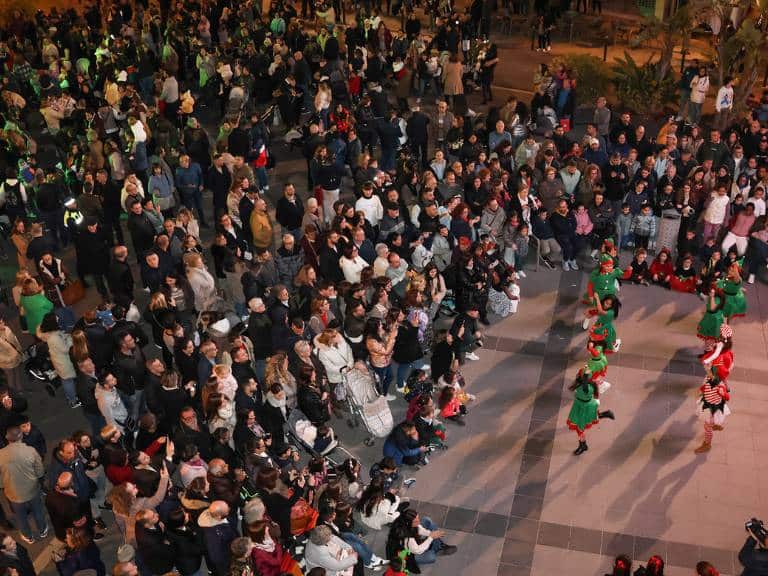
(261, 229)
(335, 359)
(59, 344)
(35, 308)
(10, 349)
(452, 83)
(288, 264)
(385, 512)
(399, 445)
(325, 557)
(188, 549)
(203, 287)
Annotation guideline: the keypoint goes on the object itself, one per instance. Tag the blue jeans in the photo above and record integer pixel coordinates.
(261, 176)
(69, 388)
(23, 509)
(96, 421)
(430, 555)
(404, 370)
(362, 549)
(385, 377)
(260, 367)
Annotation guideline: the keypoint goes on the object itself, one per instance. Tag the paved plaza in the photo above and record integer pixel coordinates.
(516, 500)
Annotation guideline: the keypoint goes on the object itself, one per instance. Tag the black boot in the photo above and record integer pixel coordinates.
(484, 320)
(581, 449)
(606, 414)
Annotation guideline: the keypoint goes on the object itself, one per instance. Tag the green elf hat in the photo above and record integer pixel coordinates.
(609, 242)
(605, 259)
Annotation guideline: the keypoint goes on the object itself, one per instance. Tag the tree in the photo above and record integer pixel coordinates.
(669, 33)
(749, 47)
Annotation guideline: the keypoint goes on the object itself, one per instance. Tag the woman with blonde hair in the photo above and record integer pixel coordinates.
(79, 350)
(161, 314)
(277, 372)
(201, 281)
(335, 354)
(187, 222)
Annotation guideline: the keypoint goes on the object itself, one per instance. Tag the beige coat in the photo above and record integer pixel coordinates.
(452, 84)
(261, 229)
(10, 349)
(20, 470)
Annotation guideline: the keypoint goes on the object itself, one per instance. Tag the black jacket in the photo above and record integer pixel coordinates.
(142, 233)
(200, 438)
(85, 386)
(130, 371)
(407, 346)
(753, 558)
(311, 404)
(260, 333)
(64, 510)
(92, 251)
(187, 549)
(416, 128)
(154, 549)
(120, 280)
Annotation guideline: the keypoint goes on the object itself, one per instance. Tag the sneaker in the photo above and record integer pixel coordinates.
(471, 356)
(27, 540)
(390, 398)
(521, 274)
(566, 265)
(585, 323)
(75, 403)
(447, 550)
(548, 263)
(751, 279)
(400, 390)
(593, 254)
(44, 534)
(617, 345)
(376, 562)
(574, 266)
(408, 482)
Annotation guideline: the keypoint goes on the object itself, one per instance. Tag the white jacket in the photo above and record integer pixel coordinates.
(371, 207)
(335, 358)
(327, 557)
(385, 512)
(352, 268)
(203, 286)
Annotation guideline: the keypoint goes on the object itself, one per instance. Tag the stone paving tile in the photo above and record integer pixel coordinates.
(460, 519)
(517, 552)
(523, 529)
(585, 540)
(491, 524)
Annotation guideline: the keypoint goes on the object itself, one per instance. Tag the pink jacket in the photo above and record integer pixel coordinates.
(583, 223)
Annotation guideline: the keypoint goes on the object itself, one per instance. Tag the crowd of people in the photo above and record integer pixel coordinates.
(214, 366)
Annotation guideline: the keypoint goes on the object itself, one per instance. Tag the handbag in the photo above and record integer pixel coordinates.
(73, 292)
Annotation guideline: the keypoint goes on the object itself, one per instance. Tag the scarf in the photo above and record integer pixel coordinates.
(267, 546)
(277, 403)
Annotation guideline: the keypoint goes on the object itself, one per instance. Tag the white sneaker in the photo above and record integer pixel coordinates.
(389, 397)
(566, 265)
(585, 323)
(522, 274)
(751, 279)
(593, 254)
(471, 356)
(574, 266)
(617, 345)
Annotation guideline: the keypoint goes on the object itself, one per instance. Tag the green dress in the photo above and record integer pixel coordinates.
(583, 413)
(35, 309)
(603, 330)
(709, 327)
(598, 365)
(735, 301)
(602, 284)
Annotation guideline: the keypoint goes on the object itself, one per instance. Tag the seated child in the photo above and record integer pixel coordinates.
(684, 278)
(637, 271)
(661, 269)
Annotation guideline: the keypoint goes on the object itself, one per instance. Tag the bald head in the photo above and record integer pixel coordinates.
(64, 481)
(219, 509)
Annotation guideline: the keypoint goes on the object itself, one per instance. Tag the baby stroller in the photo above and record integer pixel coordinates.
(40, 367)
(365, 404)
(304, 434)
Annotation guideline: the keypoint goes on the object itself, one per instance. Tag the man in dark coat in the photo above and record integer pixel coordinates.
(418, 136)
(92, 249)
(219, 181)
(120, 278)
(153, 548)
(141, 229)
(191, 431)
(218, 534)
